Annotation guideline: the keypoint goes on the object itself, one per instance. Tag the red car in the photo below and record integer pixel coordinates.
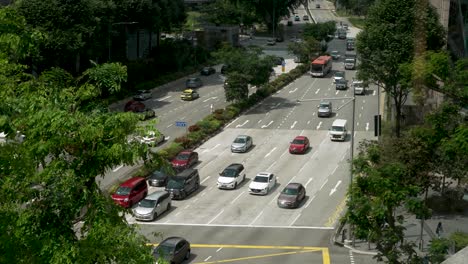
(131, 192)
(299, 145)
(185, 159)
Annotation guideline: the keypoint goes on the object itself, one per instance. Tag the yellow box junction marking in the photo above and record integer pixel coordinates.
(297, 250)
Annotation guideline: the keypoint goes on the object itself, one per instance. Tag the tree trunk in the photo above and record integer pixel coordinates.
(397, 116)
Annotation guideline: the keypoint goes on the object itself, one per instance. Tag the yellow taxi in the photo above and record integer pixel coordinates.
(189, 94)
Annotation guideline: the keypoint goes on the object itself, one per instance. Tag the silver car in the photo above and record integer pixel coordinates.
(193, 83)
(242, 143)
(324, 109)
(152, 206)
(142, 95)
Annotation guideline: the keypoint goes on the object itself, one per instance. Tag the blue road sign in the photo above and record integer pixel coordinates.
(180, 124)
(283, 63)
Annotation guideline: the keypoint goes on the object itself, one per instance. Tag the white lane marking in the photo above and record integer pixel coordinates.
(292, 179)
(303, 166)
(178, 213)
(357, 124)
(268, 154)
(295, 219)
(318, 126)
(232, 202)
(182, 118)
(232, 122)
(246, 121)
(321, 187)
(313, 114)
(292, 91)
(316, 92)
(219, 249)
(259, 121)
(203, 193)
(333, 172)
(258, 216)
(360, 115)
(187, 206)
(268, 169)
(310, 201)
(211, 149)
(334, 188)
(164, 98)
(367, 126)
(308, 182)
(118, 168)
(363, 101)
(355, 133)
(170, 125)
(336, 93)
(336, 115)
(302, 132)
(362, 107)
(294, 124)
(308, 122)
(196, 199)
(373, 94)
(284, 153)
(211, 98)
(207, 258)
(211, 221)
(271, 122)
(205, 179)
(221, 225)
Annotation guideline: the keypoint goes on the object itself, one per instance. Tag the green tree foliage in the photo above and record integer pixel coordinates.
(52, 209)
(355, 7)
(228, 12)
(320, 31)
(305, 50)
(236, 87)
(387, 46)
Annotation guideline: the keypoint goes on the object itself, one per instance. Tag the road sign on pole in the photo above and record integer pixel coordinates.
(180, 124)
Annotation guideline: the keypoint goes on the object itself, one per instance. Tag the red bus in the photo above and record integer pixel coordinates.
(321, 66)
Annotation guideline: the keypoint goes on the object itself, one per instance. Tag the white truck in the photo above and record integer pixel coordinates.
(359, 87)
(350, 61)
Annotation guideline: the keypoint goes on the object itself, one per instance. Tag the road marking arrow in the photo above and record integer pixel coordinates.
(316, 92)
(320, 123)
(295, 122)
(246, 121)
(292, 91)
(334, 188)
(367, 126)
(211, 98)
(264, 126)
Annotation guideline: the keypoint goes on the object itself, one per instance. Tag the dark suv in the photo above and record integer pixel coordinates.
(184, 183)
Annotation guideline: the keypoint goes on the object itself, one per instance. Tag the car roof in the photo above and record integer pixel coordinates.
(236, 166)
(264, 174)
(171, 240)
(242, 136)
(132, 181)
(293, 185)
(300, 137)
(155, 195)
(188, 91)
(325, 102)
(186, 151)
(193, 78)
(339, 122)
(185, 173)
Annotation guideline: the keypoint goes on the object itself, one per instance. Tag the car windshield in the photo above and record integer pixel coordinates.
(350, 60)
(175, 183)
(334, 52)
(123, 190)
(158, 175)
(337, 128)
(192, 80)
(239, 140)
(324, 105)
(183, 156)
(260, 179)
(228, 172)
(164, 250)
(188, 93)
(290, 191)
(298, 141)
(339, 74)
(147, 203)
(317, 67)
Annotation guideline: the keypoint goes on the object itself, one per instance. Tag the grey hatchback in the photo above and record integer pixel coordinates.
(324, 109)
(193, 83)
(242, 143)
(292, 195)
(173, 250)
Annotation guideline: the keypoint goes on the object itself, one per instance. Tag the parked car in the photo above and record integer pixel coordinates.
(142, 95)
(139, 108)
(305, 17)
(292, 195)
(242, 143)
(262, 183)
(130, 192)
(317, 6)
(271, 42)
(207, 71)
(335, 54)
(297, 18)
(160, 177)
(325, 108)
(185, 159)
(151, 138)
(231, 176)
(173, 250)
(299, 145)
(194, 82)
(152, 206)
(189, 95)
(341, 84)
(183, 184)
(339, 75)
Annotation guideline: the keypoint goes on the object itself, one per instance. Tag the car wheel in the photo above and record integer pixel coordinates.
(187, 255)
(235, 185)
(197, 185)
(154, 216)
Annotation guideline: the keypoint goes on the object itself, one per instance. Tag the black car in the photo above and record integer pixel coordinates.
(207, 71)
(173, 250)
(159, 178)
(184, 183)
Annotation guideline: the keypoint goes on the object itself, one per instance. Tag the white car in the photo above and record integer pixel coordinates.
(262, 183)
(151, 138)
(339, 75)
(231, 177)
(359, 87)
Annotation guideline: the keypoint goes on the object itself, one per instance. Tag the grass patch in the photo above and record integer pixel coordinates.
(357, 22)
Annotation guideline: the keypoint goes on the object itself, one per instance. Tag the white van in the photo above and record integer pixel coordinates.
(338, 131)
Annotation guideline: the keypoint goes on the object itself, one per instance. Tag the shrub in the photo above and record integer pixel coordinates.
(460, 240)
(171, 151)
(193, 128)
(209, 124)
(233, 110)
(184, 141)
(196, 136)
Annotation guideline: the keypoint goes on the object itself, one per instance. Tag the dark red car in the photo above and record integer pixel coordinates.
(131, 192)
(185, 159)
(139, 108)
(299, 145)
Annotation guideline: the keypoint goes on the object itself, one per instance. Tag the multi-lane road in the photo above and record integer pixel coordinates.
(236, 227)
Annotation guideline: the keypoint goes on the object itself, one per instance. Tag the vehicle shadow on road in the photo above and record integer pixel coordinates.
(197, 191)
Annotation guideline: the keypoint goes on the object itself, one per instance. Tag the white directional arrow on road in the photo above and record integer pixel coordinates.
(334, 188)
(271, 122)
(292, 91)
(316, 92)
(320, 123)
(211, 98)
(246, 121)
(295, 122)
(367, 126)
